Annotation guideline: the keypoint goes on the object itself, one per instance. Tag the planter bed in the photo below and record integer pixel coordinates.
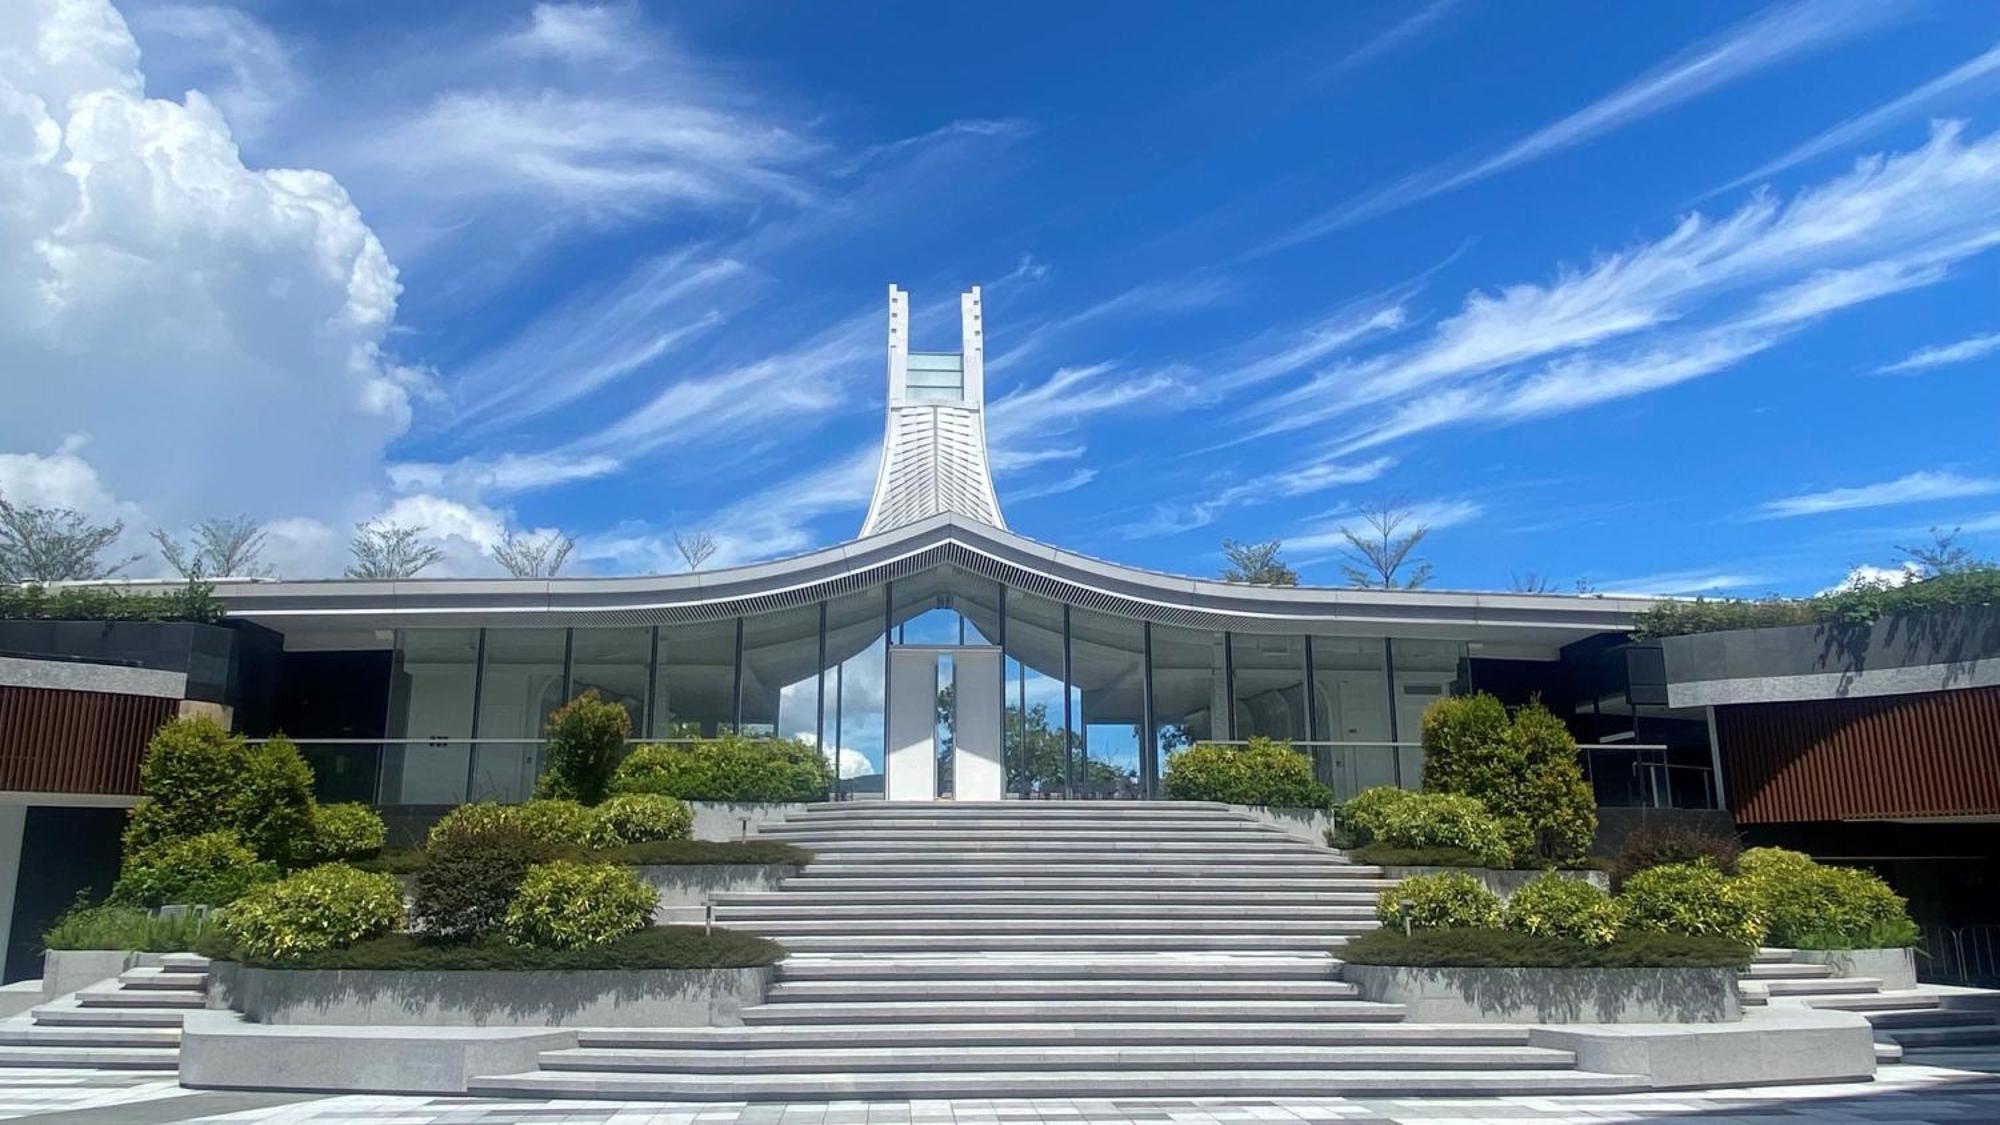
(1895, 968)
(686, 888)
(1500, 881)
(662, 977)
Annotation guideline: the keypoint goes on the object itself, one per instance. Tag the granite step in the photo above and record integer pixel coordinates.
(1071, 926)
(1148, 858)
(1056, 1033)
(1061, 1083)
(992, 824)
(45, 1035)
(1032, 838)
(1073, 1011)
(1092, 810)
(780, 907)
(995, 877)
(1025, 967)
(1985, 1034)
(1878, 1002)
(1107, 895)
(54, 1015)
(1787, 971)
(1112, 988)
(92, 1058)
(1832, 986)
(981, 942)
(1772, 955)
(163, 979)
(1028, 1059)
(1925, 1019)
(142, 998)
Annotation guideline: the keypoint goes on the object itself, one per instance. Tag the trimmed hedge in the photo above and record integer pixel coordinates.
(561, 824)
(1445, 820)
(1565, 909)
(211, 869)
(1809, 906)
(470, 875)
(729, 768)
(347, 831)
(1265, 772)
(639, 818)
(1861, 604)
(1438, 902)
(1691, 898)
(568, 905)
(315, 910)
(1362, 816)
(194, 602)
(1498, 949)
(660, 947)
(585, 736)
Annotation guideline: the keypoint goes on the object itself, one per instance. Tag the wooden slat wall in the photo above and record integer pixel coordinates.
(1929, 754)
(75, 741)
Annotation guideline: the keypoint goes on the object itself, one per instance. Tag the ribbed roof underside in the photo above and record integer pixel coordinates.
(933, 461)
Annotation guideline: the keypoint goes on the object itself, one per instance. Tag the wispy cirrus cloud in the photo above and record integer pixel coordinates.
(1944, 355)
(1315, 476)
(1684, 583)
(1912, 488)
(1778, 34)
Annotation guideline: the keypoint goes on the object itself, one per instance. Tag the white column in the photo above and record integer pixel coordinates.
(977, 772)
(909, 759)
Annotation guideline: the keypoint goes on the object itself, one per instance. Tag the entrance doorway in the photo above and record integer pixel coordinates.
(944, 728)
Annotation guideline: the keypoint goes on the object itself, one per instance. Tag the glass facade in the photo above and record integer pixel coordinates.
(1093, 703)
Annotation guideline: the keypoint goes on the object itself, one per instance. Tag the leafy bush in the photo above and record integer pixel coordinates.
(557, 823)
(1445, 820)
(471, 874)
(1387, 855)
(1523, 768)
(1567, 909)
(1265, 772)
(188, 777)
(1808, 906)
(1857, 605)
(568, 905)
(272, 800)
(1769, 863)
(195, 601)
(656, 853)
(1439, 902)
(346, 832)
(1658, 844)
(316, 909)
(1671, 618)
(659, 947)
(1361, 817)
(211, 869)
(730, 768)
(585, 736)
(637, 818)
(1488, 948)
(124, 927)
(393, 861)
(1691, 898)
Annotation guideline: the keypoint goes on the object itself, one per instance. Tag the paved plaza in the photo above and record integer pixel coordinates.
(1937, 1086)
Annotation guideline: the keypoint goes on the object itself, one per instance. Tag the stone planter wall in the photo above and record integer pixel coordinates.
(490, 998)
(66, 970)
(1552, 995)
(1307, 824)
(737, 820)
(686, 888)
(1502, 883)
(1895, 968)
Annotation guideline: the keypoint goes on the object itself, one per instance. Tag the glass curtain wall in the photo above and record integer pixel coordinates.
(617, 665)
(1351, 705)
(1422, 672)
(1108, 696)
(694, 680)
(1038, 716)
(1190, 689)
(520, 684)
(433, 691)
(781, 674)
(856, 656)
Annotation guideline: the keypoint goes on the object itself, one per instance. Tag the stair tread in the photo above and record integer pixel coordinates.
(1205, 1056)
(1054, 1032)
(1097, 1082)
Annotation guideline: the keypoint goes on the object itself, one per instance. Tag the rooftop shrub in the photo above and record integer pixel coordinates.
(1444, 820)
(313, 910)
(1570, 910)
(194, 602)
(1439, 902)
(1972, 586)
(1658, 844)
(210, 869)
(1265, 772)
(638, 818)
(1691, 898)
(729, 768)
(585, 737)
(568, 905)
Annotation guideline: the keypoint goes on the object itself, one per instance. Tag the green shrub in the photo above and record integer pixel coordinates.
(1568, 909)
(1851, 606)
(1765, 863)
(195, 601)
(657, 947)
(558, 823)
(568, 905)
(637, 818)
(730, 768)
(585, 737)
(1656, 845)
(189, 777)
(1817, 907)
(1438, 902)
(1691, 898)
(1552, 797)
(1386, 855)
(657, 853)
(1466, 749)
(211, 869)
(274, 800)
(1265, 772)
(316, 909)
(1900, 933)
(124, 927)
(1361, 817)
(1445, 820)
(1487, 948)
(1673, 618)
(471, 873)
(346, 832)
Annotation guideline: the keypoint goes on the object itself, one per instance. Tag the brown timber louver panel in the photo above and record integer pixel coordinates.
(1928, 754)
(75, 741)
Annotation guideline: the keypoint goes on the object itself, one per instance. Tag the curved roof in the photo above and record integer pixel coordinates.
(1539, 622)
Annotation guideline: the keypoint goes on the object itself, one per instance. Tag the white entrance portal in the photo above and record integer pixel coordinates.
(971, 712)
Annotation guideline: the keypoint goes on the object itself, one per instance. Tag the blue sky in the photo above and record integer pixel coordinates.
(1692, 297)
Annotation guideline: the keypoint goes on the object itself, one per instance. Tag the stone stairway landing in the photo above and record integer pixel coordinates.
(1024, 948)
(130, 1023)
(1903, 1019)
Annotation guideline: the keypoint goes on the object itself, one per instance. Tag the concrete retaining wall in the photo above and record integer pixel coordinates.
(737, 820)
(66, 970)
(1766, 1048)
(491, 998)
(1552, 995)
(221, 1051)
(1306, 824)
(1502, 883)
(1895, 968)
(685, 889)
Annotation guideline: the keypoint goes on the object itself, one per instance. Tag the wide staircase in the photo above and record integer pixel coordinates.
(1903, 1019)
(1056, 948)
(132, 1024)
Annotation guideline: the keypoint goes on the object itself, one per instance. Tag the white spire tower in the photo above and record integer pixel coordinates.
(934, 445)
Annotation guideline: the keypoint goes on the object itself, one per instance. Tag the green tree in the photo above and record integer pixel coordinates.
(55, 545)
(1522, 767)
(219, 548)
(1257, 564)
(1379, 549)
(585, 736)
(1553, 797)
(390, 550)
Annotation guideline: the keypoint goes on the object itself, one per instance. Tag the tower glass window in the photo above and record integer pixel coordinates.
(935, 377)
